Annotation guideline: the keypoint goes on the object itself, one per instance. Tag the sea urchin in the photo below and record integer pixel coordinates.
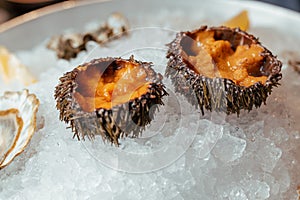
(111, 97)
(222, 69)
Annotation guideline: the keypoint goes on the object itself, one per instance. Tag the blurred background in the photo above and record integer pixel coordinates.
(13, 8)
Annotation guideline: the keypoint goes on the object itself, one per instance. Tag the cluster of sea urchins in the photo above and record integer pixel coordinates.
(217, 93)
(249, 80)
(124, 119)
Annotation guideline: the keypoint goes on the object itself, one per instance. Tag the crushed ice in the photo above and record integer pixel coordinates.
(255, 156)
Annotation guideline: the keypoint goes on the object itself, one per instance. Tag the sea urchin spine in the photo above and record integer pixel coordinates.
(86, 101)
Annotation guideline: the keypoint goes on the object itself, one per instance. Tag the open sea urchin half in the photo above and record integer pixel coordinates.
(222, 69)
(111, 97)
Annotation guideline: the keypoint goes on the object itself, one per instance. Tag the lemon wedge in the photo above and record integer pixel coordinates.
(12, 69)
(241, 20)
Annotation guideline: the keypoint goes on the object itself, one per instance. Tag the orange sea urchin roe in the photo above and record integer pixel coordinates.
(111, 88)
(216, 58)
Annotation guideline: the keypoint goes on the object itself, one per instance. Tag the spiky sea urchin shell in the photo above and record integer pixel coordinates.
(121, 120)
(221, 94)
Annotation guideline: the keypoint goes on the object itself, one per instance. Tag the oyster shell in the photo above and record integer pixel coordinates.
(68, 46)
(17, 123)
(12, 69)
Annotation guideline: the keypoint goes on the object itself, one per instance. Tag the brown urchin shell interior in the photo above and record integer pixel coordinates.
(198, 75)
(127, 116)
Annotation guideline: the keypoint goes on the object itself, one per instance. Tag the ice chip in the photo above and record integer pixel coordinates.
(237, 194)
(268, 155)
(258, 190)
(229, 148)
(208, 135)
(278, 135)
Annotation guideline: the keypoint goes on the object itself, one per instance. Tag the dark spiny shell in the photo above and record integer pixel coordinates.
(121, 120)
(221, 94)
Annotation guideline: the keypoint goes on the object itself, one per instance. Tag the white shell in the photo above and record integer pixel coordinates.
(118, 23)
(17, 123)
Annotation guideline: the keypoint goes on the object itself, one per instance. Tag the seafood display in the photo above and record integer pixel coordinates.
(222, 69)
(17, 123)
(111, 97)
(67, 46)
(210, 113)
